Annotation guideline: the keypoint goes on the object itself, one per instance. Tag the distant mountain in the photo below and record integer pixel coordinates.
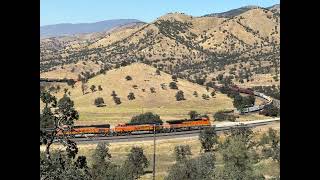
(232, 13)
(275, 8)
(67, 29)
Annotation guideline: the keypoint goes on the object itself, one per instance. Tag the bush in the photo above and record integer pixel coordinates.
(152, 90)
(99, 88)
(205, 97)
(93, 88)
(99, 102)
(195, 93)
(146, 118)
(135, 164)
(270, 110)
(240, 102)
(182, 152)
(113, 94)
(163, 86)
(224, 116)
(174, 78)
(131, 96)
(208, 139)
(157, 72)
(220, 77)
(128, 78)
(193, 114)
(117, 100)
(200, 81)
(180, 96)
(173, 85)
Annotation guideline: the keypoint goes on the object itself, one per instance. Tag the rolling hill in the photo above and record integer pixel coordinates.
(162, 102)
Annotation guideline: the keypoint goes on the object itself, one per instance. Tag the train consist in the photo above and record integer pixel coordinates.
(268, 100)
(130, 128)
(58, 80)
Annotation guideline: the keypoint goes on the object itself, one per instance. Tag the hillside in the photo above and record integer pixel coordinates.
(68, 29)
(162, 102)
(194, 48)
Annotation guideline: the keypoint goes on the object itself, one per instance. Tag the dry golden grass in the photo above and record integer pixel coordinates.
(163, 102)
(66, 71)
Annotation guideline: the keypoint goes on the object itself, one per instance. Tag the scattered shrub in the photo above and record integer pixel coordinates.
(99, 102)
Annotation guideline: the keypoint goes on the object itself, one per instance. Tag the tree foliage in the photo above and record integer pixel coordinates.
(224, 116)
(99, 88)
(208, 139)
(201, 167)
(93, 88)
(56, 116)
(270, 110)
(135, 163)
(182, 152)
(193, 114)
(173, 85)
(146, 118)
(61, 167)
(131, 96)
(99, 102)
(195, 93)
(239, 155)
(270, 143)
(180, 96)
(128, 78)
(241, 102)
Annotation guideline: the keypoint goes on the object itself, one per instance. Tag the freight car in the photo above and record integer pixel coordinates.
(242, 90)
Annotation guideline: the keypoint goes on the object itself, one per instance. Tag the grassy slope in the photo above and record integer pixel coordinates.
(162, 102)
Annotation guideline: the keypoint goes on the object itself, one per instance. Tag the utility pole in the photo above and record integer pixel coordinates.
(154, 151)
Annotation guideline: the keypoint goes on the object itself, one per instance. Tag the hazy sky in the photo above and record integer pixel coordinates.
(82, 11)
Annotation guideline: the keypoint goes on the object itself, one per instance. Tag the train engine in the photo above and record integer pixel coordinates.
(183, 125)
(135, 128)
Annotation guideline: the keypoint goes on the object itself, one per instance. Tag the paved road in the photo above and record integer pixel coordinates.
(221, 127)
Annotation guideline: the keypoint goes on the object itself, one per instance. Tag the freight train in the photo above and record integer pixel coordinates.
(135, 128)
(268, 100)
(235, 88)
(169, 126)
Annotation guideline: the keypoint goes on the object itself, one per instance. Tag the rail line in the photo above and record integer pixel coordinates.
(219, 128)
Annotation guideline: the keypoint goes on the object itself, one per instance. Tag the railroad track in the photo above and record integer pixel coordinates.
(219, 128)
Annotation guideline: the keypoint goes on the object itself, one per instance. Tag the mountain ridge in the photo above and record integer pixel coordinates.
(69, 29)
